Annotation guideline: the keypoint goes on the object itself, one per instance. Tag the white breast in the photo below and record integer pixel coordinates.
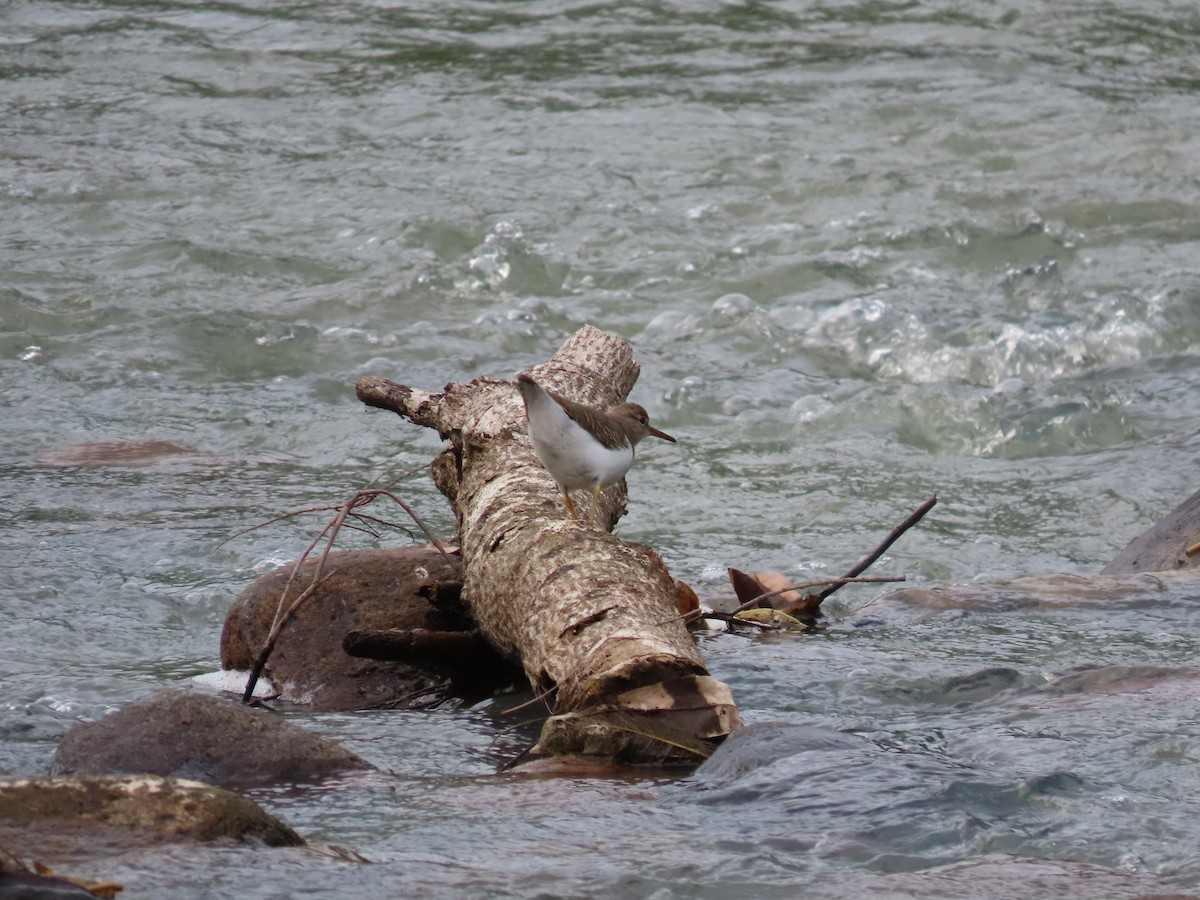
(568, 452)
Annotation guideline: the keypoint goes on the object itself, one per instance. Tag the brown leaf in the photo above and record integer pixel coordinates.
(686, 600)
(749, 585)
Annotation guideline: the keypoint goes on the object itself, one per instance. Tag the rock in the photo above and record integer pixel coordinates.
(147, 808)
(1162, 547)
(1032, 592)
(854, 800)
(37, 882)
(368, 591)
(763, 744)
(996, 877)
(32, 886)
(185, 734)
(126, 454)
(1153, 569)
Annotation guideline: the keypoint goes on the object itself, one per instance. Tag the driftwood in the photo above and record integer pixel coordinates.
(590, 618)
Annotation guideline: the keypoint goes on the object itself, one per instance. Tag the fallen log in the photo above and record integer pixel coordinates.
(591, 619)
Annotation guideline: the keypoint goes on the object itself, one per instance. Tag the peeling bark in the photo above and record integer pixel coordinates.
(588, 616)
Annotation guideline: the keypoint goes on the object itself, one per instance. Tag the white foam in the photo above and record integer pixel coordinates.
(233, 681)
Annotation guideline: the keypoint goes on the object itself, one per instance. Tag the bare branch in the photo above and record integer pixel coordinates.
(837, 582)
(865, 563)
(276, 628)
(531, 701)
(279, 518)
(329, 534)
(408, 509)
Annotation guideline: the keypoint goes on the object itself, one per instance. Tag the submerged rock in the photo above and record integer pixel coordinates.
(1033, 592)
(32, 886)
(125, 454)
(1153, 570)
(762, 744)
(999, 877)
(19, 881)
(185, 734)
(147, 808)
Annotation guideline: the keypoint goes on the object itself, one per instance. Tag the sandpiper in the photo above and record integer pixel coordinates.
(581, 446)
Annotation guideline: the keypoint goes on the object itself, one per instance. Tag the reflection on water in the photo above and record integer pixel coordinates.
(865, 252)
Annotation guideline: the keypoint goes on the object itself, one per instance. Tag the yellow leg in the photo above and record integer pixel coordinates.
(570, 505)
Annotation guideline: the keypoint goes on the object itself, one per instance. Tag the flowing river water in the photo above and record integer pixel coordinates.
(866, 252)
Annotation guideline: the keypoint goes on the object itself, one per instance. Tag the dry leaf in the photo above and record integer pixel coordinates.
(750, 585)
(770, 617)
(686, 600)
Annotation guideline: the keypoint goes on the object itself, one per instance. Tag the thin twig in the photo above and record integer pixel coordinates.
(694, 614)
(404, 700)
(703, 753)
(276, 629)
(407, 475)
(330, 528)
(836, 582)
(329, 534)
(281, 615)
(362, 529)
(542, 696)
(511, 728)
(862, 566)
(279, 518)
(300, 512)
(408, 509)
(378, 520)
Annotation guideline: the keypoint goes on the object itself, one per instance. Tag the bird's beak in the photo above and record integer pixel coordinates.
(650, 429)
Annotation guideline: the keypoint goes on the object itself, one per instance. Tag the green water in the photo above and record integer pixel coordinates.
(865, 252)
